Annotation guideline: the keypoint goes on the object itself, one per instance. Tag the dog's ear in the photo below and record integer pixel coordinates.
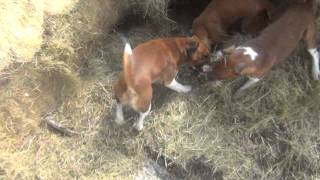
(191, 48)
(244, 69)
(229, 50)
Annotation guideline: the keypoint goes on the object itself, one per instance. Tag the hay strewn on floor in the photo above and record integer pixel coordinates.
(71, 35)
(272, 132)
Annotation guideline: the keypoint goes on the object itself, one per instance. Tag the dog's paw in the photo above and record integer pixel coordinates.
(186, 89)
(316, 74)
(138, 126)
(218, 55)
(206, 68)
(119, 121)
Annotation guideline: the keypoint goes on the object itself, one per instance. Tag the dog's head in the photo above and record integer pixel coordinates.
(235, 62)
(197, 52)
(202, 51)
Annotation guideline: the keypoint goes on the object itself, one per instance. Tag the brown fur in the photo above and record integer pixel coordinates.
(155, 60)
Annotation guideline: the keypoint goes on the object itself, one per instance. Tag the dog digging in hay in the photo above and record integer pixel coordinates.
(153, 61)
(159, 60)
(275, 43)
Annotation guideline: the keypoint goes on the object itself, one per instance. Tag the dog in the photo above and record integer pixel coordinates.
(153, 61)
(211, 27)
(276, 42)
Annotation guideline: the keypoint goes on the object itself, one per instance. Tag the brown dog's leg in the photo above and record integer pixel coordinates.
(119, 114)
(248, 84)
(143, 105)
(119, 89)
(255, 72)
(170, 82)
(176, 86)
(310, 40)
(254, 24)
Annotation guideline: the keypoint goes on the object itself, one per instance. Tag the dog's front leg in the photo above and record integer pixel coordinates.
(248, 84)
(176, 86)
(142, 115)
(119, 114)
(315, 59)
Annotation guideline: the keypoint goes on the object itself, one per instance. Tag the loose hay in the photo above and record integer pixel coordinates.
(270, 133)
(51, 82)
(59, 6)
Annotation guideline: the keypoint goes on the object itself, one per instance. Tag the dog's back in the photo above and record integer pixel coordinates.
(151, 59)
(221, 14)
(281, 37)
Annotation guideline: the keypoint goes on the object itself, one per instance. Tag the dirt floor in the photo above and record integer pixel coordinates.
(271, 132)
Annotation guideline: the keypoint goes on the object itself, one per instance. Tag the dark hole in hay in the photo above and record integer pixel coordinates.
(180, 13)
(199, 168)
(176, 171)
(196, 168)
(130, 21)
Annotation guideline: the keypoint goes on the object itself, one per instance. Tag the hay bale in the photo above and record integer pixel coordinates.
(59, 6)
(98, 15)
(21, 25)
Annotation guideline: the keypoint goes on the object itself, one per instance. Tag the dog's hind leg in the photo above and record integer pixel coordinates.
(119, 114)
(119, 90)
(310, 40)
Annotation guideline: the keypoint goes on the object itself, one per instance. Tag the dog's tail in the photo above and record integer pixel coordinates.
(127, 60)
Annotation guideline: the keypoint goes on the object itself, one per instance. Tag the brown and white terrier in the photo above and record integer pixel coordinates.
(153, 61)
(211, 27)
(256, 57)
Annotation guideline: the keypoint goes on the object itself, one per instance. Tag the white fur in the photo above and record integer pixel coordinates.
(315, 68)
(249, 51)
(142, 115)
(176, 86)
(249, 83)
(119, 115)
(206, 68)
(218, 55)
(128, 49)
